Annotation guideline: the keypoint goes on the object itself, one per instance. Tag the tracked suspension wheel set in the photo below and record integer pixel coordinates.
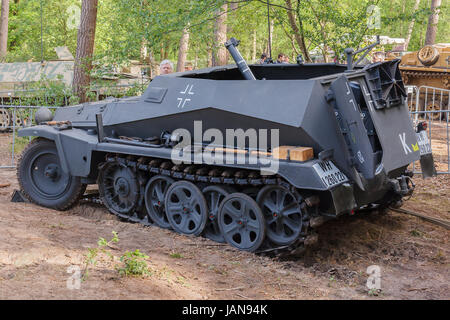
(240, 208)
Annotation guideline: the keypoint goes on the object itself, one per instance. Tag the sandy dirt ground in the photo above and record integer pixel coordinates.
(38, 245)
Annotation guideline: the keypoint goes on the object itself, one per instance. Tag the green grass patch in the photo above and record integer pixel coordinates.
(176, 255)
(19, 144)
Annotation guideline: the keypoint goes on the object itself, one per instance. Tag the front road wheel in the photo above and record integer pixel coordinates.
(42, 179)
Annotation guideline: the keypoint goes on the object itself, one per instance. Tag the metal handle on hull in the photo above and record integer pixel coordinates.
(231, 46)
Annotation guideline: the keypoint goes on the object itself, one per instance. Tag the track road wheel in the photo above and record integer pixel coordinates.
(42, 179)
(283, 214)
(119, 188)
(155, 193)
(214, 196)
(434, 108)
(5, 119)
(186, 208)
(242, 222)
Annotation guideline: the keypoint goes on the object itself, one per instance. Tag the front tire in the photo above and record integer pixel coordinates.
(42, 179)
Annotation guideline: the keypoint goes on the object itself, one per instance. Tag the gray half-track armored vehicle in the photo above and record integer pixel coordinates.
(255, 156)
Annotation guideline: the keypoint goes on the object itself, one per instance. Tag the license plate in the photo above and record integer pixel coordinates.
(424, 143)
(329, 174)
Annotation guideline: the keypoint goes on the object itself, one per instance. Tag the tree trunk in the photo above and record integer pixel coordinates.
(85, 48)
(147, 58)
(154, 67)
(299, 37)
(161, 53)
(182, 52)
(166, 50)
(4, 29)
(232, 7)
(196, 59)
(269, 49)
(220, 35)
(144, 57)
(411, 26)
(210, 57)
(430, 37)
(254, 46)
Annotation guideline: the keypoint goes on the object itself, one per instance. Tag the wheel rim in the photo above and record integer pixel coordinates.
(214, 197)
(283, 214)
(186, 208)
(5, 119)
(47, 177)
(120, 189)
(19, 121)
(155, 193)
(241, 222)
(435, 115)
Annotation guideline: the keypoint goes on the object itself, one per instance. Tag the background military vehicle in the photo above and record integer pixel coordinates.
(18, 76)
(430, 66)
(17, 81)
(345, 141)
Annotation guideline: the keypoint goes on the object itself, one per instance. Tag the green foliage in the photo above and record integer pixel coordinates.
(397, 14)
(103, 243)
(132, 263)
(374, 292)
(47, 92)
(176, 255)
(416, 233)
(19, 144)
(92, 254)
(25, 29)
(135, 264)
(125, 26)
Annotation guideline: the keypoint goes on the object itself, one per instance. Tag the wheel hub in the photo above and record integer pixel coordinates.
(51, 172)
(122, 187)
(187, 209)
(243, 223)
(119, 188)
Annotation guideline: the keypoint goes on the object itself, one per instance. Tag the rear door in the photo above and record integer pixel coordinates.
(395, 132)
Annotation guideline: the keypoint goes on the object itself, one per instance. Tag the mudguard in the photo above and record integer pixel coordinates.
(74, 147)
(426, 156)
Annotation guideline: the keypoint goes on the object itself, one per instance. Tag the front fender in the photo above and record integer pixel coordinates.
(74, 147)
(49, 133)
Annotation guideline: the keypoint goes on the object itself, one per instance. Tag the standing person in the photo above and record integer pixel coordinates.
(166, 67)
(263, 58)
(280, 58)
(188, 67)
